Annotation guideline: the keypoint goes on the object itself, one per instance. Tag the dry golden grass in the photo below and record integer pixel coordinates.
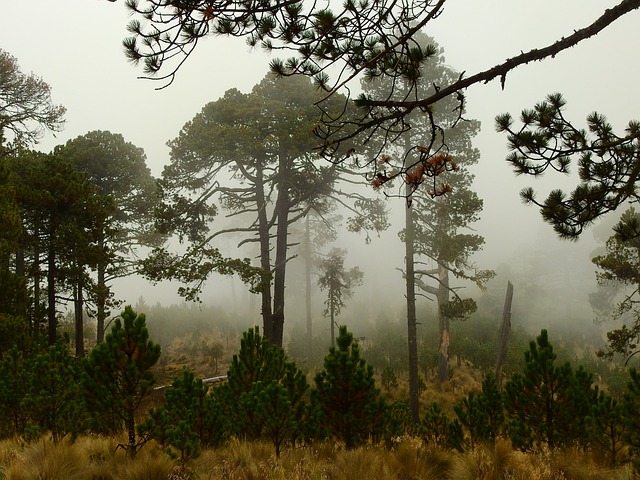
(95, 458)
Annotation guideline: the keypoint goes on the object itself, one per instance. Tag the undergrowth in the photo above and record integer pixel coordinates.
(97, 458)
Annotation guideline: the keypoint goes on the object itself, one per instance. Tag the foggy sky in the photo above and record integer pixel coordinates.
(75, 46)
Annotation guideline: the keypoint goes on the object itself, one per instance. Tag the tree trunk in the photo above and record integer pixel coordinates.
(265, 255)
(307, 284)
(332, 316)
(51, 292)
(282, 214)
(101, 297)
(443, 321)
(78, 302)
(412, 331)
(131, 432)
(36, 282)
(505, 330)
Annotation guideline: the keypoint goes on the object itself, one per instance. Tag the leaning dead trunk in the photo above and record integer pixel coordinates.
(505, 330)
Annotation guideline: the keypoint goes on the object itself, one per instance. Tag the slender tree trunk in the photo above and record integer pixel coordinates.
(443, 348)
(307, 284)
(36, 281)
(51, 293)
(102, 295)
(282, 214)
(332, 316)
(20, 268)
(505, 330)
(412, 331)
(265, 255)
(131, 433)
(79, 323)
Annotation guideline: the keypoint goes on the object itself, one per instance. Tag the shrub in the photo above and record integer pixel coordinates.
(117, 374)
(351, 406)
(265, 393)
(547, 404)
(482, 414)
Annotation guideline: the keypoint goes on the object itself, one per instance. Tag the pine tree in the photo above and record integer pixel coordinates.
(437, 429)
(547, 404)
(13, 388)
(482, 414)
(338, 282)
(352, 408)
(190, 418)
(117, 374)
(265, 393)
(606, 428)
(53, 395)
(631, 417)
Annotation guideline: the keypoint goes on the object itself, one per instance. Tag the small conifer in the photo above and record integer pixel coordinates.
(352, 408)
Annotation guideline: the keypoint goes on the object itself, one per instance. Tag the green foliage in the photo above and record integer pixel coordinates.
(265, 393)
(26, 106)
(618, 277)
(437, 429)
(482, 413)
(547, 404)
(607, 163)
(127, 191)
(338, 282)
(13, 389)
(388, 378)
(14, 331)
(352, 408)
(631, 419)
(190, 418)
(606, 428)
(117, 374)
(53, 399)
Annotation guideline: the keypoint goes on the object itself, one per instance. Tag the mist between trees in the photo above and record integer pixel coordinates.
(374, 228)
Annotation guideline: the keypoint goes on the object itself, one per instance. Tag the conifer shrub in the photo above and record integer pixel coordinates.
(440, 431)
(53, 395)
(350, 405)
(117, 374)
(13, 389)
(388, 378)
(265, 395)
(547, 404)
(606, 429)
(190, 418)
(482, 413)
(631, 417)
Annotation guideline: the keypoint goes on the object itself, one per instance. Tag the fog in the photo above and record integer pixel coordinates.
(75, 47)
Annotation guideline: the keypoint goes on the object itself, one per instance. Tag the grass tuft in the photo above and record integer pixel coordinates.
(47, 460)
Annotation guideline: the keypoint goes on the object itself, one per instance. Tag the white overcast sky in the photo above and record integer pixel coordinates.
(75, 46)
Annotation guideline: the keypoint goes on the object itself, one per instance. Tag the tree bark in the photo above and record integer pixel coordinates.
(51, 292)
(282, 215)
(307, 284)
(412, 330)
(505, 330)
(265, 254)
(101, 300)
(78, 306)
(443, 323)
